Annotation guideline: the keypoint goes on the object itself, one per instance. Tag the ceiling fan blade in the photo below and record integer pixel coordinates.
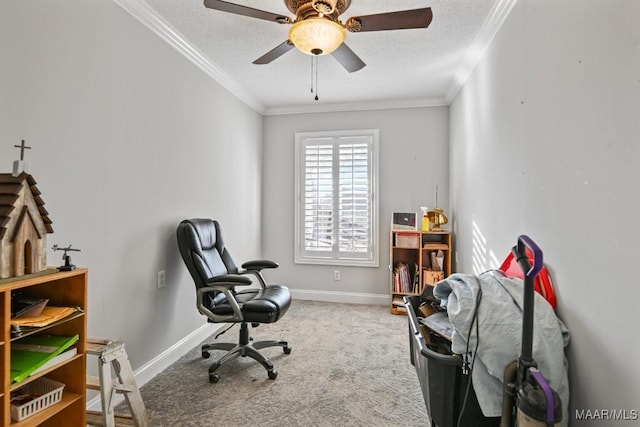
(246, 11)
(404, 19)
(348, 59)
(275, 53)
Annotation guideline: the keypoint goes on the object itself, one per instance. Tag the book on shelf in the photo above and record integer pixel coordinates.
(31, 353)
(405, 280)
(398, 304)
(402, 277)
(397, 301)
(62, 357)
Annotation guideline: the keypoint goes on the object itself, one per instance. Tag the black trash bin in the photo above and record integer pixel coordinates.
(441, 379)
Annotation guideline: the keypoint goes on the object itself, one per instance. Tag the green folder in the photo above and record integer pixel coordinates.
(30, 353)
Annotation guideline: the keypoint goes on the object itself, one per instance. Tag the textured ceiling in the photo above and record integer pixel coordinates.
(404, 67)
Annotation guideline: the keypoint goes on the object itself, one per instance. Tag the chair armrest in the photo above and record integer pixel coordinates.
(259, 264)
(229, 281)
(255, 268)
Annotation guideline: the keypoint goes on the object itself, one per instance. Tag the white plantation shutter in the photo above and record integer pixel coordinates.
(336, 207)
(318, 198)
(354, 202)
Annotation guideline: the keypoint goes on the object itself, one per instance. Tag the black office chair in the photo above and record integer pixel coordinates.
(216, 278)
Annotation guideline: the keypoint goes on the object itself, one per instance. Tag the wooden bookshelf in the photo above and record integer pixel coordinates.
(413, 250)
(67, 289)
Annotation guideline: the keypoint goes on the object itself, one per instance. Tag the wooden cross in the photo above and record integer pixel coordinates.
(22, 147)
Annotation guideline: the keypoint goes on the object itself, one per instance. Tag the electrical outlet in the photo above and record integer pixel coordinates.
(336, 274)
(161, 279)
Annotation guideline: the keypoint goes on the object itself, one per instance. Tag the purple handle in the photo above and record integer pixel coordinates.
(548, 394)
(524, 240)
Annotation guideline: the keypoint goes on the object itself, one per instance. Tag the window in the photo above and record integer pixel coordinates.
(336, 219)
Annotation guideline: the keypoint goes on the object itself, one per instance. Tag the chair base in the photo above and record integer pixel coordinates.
(244, 348)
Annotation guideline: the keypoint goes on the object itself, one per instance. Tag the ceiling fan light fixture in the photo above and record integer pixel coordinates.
(317, 36)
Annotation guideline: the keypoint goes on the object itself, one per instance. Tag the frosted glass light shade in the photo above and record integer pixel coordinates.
(316, 36)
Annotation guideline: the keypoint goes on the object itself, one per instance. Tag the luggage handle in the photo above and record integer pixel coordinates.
(530, 271)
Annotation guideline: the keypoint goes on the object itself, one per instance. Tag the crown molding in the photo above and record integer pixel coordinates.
(141, 11)
(361, 106)
(478, 48)
(147, 16)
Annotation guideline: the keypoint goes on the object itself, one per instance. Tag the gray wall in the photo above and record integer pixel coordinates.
(544, 141)
(413, 159)
(128, 138)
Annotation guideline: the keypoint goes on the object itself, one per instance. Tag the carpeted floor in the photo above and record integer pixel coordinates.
(349, 367)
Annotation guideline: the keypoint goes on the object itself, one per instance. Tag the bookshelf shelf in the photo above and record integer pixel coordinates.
(63, 289)
(414, 263)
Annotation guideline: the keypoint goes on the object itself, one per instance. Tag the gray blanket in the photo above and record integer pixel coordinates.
(500, 330)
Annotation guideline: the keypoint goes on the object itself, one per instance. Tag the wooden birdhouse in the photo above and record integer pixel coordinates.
(24, 224)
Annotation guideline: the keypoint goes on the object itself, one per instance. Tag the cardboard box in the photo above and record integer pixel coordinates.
(431, 277)
(426, 310)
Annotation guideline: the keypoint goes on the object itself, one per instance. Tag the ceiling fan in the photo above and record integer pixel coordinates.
(316, 29)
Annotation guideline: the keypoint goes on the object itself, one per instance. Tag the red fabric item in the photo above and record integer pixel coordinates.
(542, 282)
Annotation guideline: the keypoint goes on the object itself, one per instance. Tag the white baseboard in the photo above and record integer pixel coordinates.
(346, 297)
(165, 359)
(162, 361)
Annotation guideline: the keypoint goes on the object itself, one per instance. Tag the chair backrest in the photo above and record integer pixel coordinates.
(202, 249)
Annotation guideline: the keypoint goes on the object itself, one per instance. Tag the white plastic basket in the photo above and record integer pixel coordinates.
(48, 392)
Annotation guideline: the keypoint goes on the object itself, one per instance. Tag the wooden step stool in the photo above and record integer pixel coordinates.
(111, 354)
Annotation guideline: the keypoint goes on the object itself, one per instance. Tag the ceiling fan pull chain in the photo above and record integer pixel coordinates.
(312, 74)
(316, 82)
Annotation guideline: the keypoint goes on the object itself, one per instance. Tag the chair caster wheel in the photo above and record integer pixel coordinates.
(206, 355)
(287, 350)
(214, 378)
(272, 374)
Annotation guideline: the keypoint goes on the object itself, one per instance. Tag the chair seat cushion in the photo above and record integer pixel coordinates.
(258, 305)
